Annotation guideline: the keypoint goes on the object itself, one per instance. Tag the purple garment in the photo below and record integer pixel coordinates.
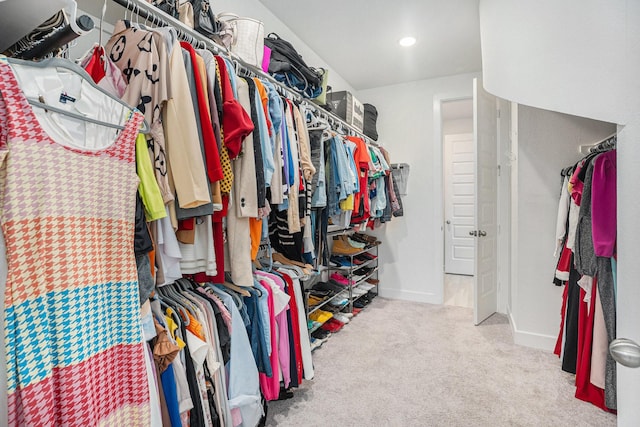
(603, 204)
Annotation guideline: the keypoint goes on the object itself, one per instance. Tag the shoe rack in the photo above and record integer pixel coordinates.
(356, 286)
(362, 265)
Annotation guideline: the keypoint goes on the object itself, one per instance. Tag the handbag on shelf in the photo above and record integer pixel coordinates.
(287, 66)
(322, 98)
(167, 6)
(204, 20)
(185, 13)
(246, 37)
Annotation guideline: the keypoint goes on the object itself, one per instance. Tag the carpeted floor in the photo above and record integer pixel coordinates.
(410, 364)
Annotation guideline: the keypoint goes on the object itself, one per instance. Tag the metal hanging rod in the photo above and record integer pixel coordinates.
(156, 16)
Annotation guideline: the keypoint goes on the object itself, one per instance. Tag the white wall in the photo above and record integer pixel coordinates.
(583, 58)
(547, 142)
(454, 126)
(272, 24)
(504, 205)
(411, 258)
(561, 55)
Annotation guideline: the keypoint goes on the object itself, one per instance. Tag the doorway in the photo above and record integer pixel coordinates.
(458, 166)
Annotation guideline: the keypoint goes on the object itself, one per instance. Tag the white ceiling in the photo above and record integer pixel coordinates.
(359, 38)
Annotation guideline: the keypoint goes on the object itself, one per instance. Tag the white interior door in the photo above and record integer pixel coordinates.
(486, 243)
(459, 208)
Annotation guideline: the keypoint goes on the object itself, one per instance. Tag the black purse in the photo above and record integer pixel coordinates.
(204, 20)
(167, 6)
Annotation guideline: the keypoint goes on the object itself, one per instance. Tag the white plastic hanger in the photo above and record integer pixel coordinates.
(61, 63)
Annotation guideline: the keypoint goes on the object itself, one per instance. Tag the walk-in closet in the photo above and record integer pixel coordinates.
(244, 213)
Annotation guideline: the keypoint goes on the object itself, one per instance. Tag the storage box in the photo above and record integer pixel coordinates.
(346, 106)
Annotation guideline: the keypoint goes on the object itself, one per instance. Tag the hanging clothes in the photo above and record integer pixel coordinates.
(51, 282)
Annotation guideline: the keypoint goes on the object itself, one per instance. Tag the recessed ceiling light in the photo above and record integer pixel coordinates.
(407, 41)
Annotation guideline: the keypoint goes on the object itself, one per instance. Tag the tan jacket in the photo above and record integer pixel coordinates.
(186, 165)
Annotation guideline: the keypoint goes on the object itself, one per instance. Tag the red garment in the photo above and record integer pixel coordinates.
(564, 264)
(212, 156)
(558, 348)
(584, 389)
(236, 123)
(95, 66)
(295, 325)
(186, 224)
(363, 160)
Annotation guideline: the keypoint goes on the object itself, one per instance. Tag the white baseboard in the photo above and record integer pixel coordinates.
(400, 294)
(531, 339)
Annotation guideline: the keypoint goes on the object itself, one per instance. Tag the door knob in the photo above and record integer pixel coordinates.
(448, 222)
(626, 352)
(482, 233)
(473, 233)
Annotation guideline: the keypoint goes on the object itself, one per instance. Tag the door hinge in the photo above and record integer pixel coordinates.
(499, 170)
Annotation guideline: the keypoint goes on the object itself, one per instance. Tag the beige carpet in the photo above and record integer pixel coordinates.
(410, 364)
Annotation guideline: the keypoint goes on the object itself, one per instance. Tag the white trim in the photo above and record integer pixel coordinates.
(414, 296)
(531, 339)
(438, 199)
(513, 288)
(504, 205)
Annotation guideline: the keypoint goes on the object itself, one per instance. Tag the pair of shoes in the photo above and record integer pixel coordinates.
(313, 325)
(338, 302)
(313, 300)
(341, 317)
(356, 278)
(341, 261)
(339, 279)
(366, 238)
(332, 288)
(320, 316)
(373, 281)
(317, 342)
(366, 256)
(362, 301)
(357, 292)
(351, 242)
(333, 325)
(366, 286)
(320, 334)
(364, 271)
(285, 393)
(342, 247)
(355, 243)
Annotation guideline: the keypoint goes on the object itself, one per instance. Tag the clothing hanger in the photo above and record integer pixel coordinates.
(177, 306)
(239, 302)
(71, 66)
(100, 45)
(237, 289)
(300, 274)
(223, 290)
